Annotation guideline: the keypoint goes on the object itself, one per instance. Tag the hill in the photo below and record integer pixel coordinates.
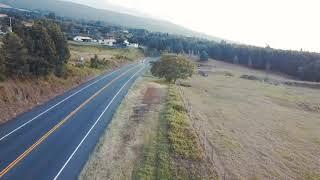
(79, 11)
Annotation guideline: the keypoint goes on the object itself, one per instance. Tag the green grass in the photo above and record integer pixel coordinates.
(311, 176)
(174, 142)
(181, 136)
(157, 162)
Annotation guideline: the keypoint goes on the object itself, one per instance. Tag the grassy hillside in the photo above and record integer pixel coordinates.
(74, 10)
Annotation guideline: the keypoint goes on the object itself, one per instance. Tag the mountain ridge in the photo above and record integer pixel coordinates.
(80, 11)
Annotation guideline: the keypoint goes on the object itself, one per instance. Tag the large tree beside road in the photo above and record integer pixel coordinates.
(173, 67)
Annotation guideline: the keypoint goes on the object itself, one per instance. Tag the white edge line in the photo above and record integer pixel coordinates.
(65, 164)
(5, 136)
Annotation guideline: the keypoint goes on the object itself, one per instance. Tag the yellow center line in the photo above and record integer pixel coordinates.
(44, 137)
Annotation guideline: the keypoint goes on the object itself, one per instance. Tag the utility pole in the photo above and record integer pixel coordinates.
(10, 26)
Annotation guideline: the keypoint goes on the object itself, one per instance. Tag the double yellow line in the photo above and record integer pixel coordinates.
(56, 127)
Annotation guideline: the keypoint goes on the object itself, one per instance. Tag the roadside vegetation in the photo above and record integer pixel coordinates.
(175, 151)
(156, 140)
(175, 144)
(37, 63)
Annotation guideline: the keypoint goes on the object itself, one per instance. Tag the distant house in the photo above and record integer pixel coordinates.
(132, 45)
(3, 15)
(27, 24)
(126, 43)
(82, 39)
(125, 31)
(107, 42)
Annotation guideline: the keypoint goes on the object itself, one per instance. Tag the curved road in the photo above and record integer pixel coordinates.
(54, 140)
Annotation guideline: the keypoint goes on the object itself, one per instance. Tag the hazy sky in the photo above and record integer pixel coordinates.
(288, 24)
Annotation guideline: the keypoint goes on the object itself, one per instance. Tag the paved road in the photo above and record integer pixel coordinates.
(54, 140)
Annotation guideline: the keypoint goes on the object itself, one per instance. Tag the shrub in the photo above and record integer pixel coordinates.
(94, 62)
(204, 56)
(181, 135)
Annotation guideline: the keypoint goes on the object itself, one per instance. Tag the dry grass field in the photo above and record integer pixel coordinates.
(257, 129)
(114, 55)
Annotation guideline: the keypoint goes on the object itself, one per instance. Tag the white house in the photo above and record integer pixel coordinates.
(133, 45)
(107, 42)
(82, 39)
(126, 43)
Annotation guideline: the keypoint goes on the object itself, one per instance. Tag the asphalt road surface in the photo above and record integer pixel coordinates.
(54, 140)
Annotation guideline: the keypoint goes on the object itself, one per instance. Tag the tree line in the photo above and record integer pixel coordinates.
(301, 64)
(37, 50)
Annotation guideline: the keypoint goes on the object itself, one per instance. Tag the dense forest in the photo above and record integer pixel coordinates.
(301, 64)
(36, 50)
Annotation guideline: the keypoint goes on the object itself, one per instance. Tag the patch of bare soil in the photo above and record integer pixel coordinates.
(120, 148)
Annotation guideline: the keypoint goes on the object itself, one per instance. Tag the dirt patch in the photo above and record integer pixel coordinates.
(120, 148)
(152, 96)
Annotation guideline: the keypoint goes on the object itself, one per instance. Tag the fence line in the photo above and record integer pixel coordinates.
(205, 143)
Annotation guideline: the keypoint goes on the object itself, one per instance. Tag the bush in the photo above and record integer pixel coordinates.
(250, 77)
(185, 84)
(204, 56)
(181, 135)
(2, 77)
(94, 62)
(228, 74)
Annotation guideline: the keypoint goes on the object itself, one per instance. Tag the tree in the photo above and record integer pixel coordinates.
(47, 47)
(15, 55)
(236, 60)
(204, 56)
(173, 67)
(42, 49)
(61, 46)
(249, 61)
(2, 66)
(94, 62)
(51, 15)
